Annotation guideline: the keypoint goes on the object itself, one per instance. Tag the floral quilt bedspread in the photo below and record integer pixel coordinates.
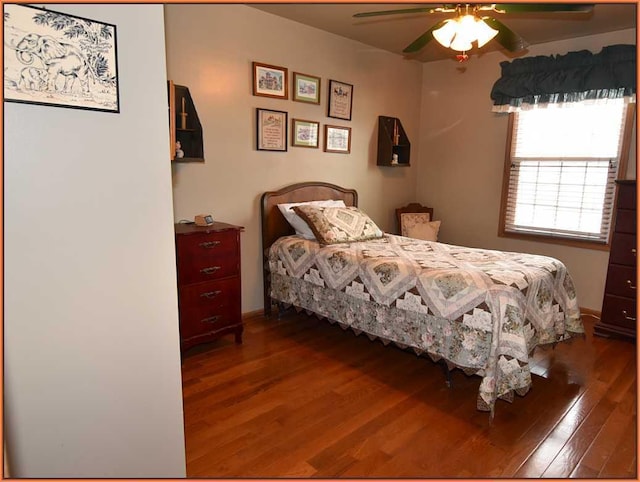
(483, 311)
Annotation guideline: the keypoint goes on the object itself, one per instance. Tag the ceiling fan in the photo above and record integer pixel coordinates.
(469, 25)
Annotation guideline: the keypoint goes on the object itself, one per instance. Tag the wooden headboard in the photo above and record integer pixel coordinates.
(274, 225)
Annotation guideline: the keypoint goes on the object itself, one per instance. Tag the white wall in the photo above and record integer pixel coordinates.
(462, 145)
(210, 49)
(92, 370)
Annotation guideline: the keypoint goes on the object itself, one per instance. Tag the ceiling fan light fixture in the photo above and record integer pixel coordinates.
(484, 33)
(444, 35)
(466, 33)
(461, 44)
(459, 33)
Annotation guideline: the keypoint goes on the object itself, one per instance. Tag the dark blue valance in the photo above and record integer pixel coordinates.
(576, 76)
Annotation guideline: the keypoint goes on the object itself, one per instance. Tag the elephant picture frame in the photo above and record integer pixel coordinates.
(58, 59)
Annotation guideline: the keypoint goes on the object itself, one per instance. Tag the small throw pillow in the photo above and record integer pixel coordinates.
(300, 225)
(339, 225)
(419, 226)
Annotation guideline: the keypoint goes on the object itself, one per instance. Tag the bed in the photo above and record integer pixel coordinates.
(482, 311)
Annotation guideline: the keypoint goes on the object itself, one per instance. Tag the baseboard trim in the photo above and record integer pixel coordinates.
(590, 313)
(252, 314)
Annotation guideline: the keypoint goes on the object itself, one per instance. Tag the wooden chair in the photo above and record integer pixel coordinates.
(411, 208)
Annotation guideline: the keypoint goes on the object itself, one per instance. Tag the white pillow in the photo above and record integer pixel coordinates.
(299, 224)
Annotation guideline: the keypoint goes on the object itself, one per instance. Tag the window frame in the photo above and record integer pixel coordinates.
(580, 243)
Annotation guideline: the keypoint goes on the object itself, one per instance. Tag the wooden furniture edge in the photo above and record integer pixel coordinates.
(411, 208)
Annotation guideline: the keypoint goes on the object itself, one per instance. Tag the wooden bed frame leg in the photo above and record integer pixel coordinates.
(447, 373)
(281, 309)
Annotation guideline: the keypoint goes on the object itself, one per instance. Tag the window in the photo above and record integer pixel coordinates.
(561, 166)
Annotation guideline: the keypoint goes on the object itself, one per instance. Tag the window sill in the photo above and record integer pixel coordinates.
(552, 240)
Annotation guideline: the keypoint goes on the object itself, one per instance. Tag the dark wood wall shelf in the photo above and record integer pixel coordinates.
(189, 132)
(392, 139)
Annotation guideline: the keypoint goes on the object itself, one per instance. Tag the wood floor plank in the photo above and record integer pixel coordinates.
(605, 442)
(353, 408)
(546, 452)
(581, 439)
(301, 398)
(623, 458)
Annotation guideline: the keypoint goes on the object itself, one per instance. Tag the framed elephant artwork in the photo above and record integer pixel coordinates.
(58, 59)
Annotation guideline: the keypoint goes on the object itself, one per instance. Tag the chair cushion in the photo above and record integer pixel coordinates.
(419, 226)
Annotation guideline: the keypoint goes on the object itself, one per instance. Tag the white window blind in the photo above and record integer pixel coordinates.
(564, 160)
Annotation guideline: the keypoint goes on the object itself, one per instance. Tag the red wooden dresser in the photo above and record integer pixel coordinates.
(209, 293)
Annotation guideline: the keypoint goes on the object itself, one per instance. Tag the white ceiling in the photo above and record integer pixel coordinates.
(395, 32)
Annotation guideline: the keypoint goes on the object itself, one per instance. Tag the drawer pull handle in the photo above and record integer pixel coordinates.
(624, 312)
(209, 244)
(211, 319)
(210, 270)
(210, 294)
(630, 285)
(633, 250)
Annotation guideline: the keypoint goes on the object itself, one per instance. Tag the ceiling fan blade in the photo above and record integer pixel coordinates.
(424, 39)
(506, 37)
(396, 12)
(543, 7)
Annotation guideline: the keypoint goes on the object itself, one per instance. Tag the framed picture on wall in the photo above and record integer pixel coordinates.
(271, 127)
(304, 133)
(270, 81)
(61, 60)
(306, 88)
(337, 139)
(340, 100)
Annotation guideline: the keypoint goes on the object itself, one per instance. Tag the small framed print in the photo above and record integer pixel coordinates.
(337, 139)
(340, 100)
(304, 133)
(271, 127)
(270, 81)
(306, 88)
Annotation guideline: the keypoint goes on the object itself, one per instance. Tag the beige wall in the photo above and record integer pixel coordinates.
(92, 384)
(462, 147)
(210, 49)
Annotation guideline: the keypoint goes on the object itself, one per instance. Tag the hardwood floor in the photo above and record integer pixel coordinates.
(303, 398)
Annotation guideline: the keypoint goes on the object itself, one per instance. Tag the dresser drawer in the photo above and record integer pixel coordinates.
(207, 307)
(625, 221)
(621, 281)
(626, 196)
(205, 257)
(619, 311)
(202, 297)
(623, 249)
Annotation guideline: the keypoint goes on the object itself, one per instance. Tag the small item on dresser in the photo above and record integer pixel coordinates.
(203, 220)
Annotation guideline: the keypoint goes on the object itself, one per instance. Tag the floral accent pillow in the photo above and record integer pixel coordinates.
(301, 227)
(419, 226)
(333, 225)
